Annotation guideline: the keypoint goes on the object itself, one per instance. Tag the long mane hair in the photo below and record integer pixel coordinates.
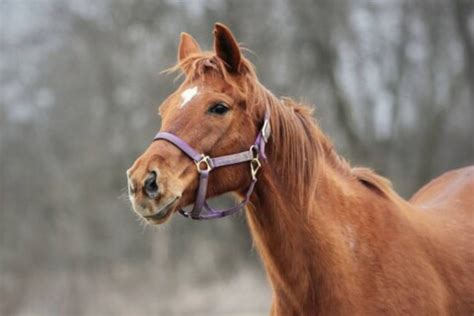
(294, 129)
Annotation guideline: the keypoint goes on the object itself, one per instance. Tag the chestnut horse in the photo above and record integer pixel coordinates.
(334, 240)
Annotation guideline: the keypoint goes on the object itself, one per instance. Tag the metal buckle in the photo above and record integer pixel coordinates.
(255, 162)
(204, 160)
(254, 151)
(266, 130)
(254, 166)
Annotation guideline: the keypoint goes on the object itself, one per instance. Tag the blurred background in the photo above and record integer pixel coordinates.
(392, 83)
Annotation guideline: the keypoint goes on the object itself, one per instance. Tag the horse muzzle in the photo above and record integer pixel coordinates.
(151, 196)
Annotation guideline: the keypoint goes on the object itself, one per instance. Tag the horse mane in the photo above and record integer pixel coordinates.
(294, 129)
(297, 133)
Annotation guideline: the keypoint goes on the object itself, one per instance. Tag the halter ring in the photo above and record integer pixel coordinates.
(204, 160)
(254, 151)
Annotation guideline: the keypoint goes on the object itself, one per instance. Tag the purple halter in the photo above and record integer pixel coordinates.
(206, 164)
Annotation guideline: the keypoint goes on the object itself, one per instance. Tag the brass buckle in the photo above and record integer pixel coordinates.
(204, 160)
(254, 163)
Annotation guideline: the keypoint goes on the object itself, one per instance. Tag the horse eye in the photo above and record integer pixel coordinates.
(219, 109)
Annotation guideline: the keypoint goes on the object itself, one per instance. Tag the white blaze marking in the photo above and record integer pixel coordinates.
(187, 95)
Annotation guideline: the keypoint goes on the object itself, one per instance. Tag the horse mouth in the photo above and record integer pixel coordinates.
(163, 213)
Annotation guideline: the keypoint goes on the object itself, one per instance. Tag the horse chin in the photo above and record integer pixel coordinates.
(163, 213)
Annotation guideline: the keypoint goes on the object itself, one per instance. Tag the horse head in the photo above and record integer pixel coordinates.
(216, 112)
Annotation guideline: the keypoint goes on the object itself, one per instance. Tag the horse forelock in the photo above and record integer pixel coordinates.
(197, 65)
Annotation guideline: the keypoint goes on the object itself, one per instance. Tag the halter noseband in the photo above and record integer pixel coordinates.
(205, 164)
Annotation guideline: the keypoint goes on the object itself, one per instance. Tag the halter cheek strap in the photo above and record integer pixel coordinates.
(205, 164)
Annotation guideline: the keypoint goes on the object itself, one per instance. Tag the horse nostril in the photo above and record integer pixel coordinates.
(151, 187)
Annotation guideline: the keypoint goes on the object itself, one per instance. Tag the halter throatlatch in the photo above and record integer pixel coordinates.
(205, 164)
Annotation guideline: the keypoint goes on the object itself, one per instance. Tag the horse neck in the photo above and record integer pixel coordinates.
(305, 243)
(302, 249)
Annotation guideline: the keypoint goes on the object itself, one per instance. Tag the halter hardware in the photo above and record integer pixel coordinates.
(255, 163)
(266, 130)
(205, 164)
(205, 160)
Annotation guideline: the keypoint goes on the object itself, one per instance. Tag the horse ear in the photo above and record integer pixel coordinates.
(187, 46)
(226, 47)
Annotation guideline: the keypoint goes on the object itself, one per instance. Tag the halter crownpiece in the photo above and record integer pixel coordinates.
(205, 164)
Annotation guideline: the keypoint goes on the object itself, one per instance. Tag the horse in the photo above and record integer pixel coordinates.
(334, 240)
